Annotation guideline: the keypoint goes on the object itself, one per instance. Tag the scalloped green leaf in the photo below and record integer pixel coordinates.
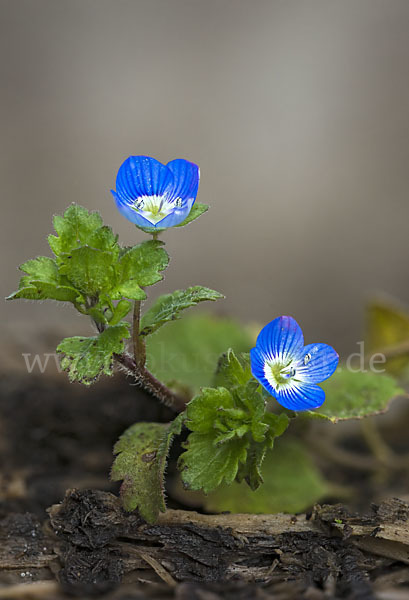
(270, 427)
(90, 270)
(203, 411)
(140, 464)
(120, 311)
(44, 282)
(170, 306)
(140, 266)
(230, 435)
(86, 358)
(205, 465)
(80, 227)
(233, 370)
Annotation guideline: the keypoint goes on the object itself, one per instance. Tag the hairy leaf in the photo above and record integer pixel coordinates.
(139, 267)
(120, 311)
(90, 270)
(203, 412)
(275, 426)
(43, 281)
(354, 395)
(169, 306)
(230, 435)
(140, 462)
(79, 227)
(86, 358)
(205, 465)
(232, 370)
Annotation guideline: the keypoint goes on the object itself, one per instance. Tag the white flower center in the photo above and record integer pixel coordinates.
(279, 375)
(155, 208)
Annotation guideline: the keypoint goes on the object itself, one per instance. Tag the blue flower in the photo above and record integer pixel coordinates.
(151, 194)
(287, 369)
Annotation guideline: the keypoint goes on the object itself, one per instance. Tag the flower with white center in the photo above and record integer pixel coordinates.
(154, 195)
(287, 369)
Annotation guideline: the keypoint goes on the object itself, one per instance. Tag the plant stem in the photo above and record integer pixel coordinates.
(135, 366)
(151, 384)
(139, 349)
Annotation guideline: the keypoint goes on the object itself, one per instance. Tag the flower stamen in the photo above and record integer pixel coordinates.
(153, 208)
(307, 358)
(279, 375)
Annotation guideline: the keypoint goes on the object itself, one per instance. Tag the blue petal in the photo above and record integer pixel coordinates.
(319, 362)
(298, 396)
(301, 396)
(143, 176)
(257, 361)
(186, 180)
(177, 216)
(129, 213)
(282, 338)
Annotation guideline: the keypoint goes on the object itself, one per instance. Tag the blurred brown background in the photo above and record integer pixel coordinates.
(296, 111)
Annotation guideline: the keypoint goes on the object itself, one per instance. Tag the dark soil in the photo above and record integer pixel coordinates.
(56, 436)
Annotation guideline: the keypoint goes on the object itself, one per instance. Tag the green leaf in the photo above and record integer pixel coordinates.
(104, 239)
(292, 484)
(387, 333)
(273, 426)
(139, 267)
(187, 350)
(43, 281)
(232, 370)
(198, 209)
(140, 462)
(79, 227)
(90, 270)
(354, 395)
(232, 427)
(41, 268)
(203, 412)
(169, 306)
(277, 426)
(205, 465)
(216, 445)
(85, 359)
(120, 311)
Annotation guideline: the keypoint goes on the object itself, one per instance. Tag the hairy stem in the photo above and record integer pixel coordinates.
(139, 349)
(151, 384)
(135, 366)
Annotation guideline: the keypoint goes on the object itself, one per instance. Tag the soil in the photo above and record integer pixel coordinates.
(57, 437)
